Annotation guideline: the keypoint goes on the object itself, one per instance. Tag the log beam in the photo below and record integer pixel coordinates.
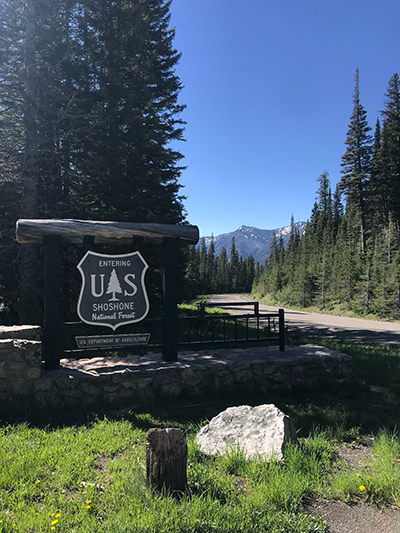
(32, 231)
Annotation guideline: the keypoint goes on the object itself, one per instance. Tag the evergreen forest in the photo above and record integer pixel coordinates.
(89, 119)
(207, 273)
(348, 258)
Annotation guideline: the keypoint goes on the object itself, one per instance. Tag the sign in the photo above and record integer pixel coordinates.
(112, 341)
(113, 292)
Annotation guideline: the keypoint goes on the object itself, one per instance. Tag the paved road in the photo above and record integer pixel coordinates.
(315, 324)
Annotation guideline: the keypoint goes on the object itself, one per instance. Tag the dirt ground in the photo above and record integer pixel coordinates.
(342, 517)
(357, 518)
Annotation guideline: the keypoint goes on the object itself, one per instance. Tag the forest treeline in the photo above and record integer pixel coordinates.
(88, 111)
(89, 116)
(349, 254)
(228, 272)
(348, 257)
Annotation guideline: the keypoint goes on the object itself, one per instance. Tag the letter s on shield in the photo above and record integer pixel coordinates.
(113, 292)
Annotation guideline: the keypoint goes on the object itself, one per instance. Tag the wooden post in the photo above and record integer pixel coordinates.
(137, 243)
(88, 243)
(52, 335)
(166, 459)
(170, 298)
(281, 330)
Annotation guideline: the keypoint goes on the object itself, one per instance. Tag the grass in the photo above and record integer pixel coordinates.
(331, 308)
(378, 480)
(87, 474)
(92, 478)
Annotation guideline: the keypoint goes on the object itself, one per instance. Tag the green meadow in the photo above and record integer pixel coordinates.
(86, 472)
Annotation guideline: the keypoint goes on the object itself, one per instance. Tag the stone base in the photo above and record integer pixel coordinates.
(140, 381)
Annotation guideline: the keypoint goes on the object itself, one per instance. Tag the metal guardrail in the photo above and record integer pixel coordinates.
(235, 329)
(258, 322)
(203, 329)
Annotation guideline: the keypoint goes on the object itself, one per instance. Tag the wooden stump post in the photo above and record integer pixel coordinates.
(166, 459)
(170, 299)
(52, 337)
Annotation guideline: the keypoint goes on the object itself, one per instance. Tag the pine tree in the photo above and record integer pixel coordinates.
(356, 162)
(222, 274)
(203, 264)
(233, 267)
(192, 276)
(211, 266)
(249, 274)
(114, 285)
(291, 256)
(130, 170)
(274, 267)
(378, 190)
(337, 211)
(304, 280)
(11, 151)
(29, 265)
(390, 147)
(96, 138)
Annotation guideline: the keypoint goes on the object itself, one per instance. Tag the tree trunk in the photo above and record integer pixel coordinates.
(29, 254)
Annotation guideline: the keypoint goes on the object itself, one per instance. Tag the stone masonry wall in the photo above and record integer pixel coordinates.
(20, 361)
(139, 381)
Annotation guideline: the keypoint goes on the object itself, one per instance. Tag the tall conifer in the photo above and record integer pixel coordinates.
(356, 161)
(102, 112)
(390, 152)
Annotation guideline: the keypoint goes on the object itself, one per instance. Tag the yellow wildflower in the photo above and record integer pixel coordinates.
(58, 515)
(54, 522)
(362, 487)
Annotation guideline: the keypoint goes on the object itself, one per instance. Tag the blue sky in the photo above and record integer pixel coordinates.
(268, 86)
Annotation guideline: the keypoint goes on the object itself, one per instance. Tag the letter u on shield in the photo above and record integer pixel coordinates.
(93, 285)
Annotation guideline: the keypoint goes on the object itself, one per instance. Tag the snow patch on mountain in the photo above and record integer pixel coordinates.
(252, 241)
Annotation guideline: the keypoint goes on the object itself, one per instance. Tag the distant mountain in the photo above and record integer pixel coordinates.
(252, 241)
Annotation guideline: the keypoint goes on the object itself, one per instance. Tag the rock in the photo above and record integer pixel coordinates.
(261, 432)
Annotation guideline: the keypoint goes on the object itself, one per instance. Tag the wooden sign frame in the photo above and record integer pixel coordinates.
(51, 233)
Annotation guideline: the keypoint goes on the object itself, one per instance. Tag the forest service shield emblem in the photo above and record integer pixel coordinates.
(113, 292)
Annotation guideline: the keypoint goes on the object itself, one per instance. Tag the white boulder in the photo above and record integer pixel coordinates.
(260, 432)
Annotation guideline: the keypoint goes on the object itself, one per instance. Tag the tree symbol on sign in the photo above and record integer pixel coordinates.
(113, 285)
